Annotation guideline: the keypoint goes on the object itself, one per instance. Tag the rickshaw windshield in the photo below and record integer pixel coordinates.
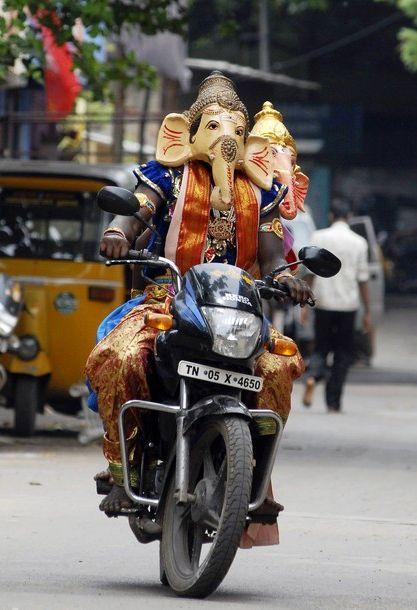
(46, 224)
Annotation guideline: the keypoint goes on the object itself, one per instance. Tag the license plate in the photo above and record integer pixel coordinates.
(229, 378)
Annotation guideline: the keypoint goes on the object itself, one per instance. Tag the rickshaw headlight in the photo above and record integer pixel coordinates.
(28, 348)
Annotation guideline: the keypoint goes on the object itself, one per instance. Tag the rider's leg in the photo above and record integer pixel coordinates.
(117, 498)
(118, 371)
(278, 373)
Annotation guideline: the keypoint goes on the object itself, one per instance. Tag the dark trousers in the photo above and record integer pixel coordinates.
(334, 334)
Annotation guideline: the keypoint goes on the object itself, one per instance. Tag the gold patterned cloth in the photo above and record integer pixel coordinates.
(120, 365)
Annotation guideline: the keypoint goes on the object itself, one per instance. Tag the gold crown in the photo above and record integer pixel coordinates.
(216, 89)
(269, 124)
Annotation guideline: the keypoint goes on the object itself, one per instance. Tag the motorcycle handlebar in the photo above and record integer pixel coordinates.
(133, 256)
(267, 289)
(151, 260)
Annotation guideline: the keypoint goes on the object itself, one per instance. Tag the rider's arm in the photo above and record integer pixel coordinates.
(116, 244)
(271, 247)
(271, 256)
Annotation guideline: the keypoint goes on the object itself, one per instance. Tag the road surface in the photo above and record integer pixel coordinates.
(348, 532)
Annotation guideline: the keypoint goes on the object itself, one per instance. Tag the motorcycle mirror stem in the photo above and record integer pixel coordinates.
(317, 260)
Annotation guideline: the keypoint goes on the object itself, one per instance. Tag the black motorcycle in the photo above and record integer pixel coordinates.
(206, 458)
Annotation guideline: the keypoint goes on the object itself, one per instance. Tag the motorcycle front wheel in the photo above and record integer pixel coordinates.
(200, 540)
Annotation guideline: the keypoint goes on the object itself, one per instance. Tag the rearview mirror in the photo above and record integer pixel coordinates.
(319, 261)
(117, 200)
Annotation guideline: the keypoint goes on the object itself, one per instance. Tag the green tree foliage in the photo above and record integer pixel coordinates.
(407, 35)
(20, 37)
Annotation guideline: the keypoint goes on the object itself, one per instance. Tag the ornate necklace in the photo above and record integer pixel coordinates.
(221, 231)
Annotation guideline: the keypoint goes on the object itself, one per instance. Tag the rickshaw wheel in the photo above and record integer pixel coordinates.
(26, 400)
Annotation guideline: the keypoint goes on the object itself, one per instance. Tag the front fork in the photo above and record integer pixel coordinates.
(182, 465)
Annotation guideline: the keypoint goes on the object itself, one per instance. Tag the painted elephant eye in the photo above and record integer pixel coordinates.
(240, 131)
(212, 125)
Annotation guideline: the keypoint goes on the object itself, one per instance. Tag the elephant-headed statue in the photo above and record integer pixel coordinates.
(215, 130)
(269, 124)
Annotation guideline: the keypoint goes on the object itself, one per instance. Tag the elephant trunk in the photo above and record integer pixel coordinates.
(224, 158)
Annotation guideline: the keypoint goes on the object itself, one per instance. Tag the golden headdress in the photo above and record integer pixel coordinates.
(269, 124)
(216, 89)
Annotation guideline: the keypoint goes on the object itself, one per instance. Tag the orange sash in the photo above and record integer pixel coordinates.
(196, 216)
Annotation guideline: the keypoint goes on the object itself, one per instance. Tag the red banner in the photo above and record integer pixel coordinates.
(61, 84)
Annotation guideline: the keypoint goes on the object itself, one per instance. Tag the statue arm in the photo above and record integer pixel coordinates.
(271, 256)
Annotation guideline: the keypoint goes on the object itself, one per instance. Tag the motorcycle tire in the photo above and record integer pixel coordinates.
(183, 538)
(26, 393)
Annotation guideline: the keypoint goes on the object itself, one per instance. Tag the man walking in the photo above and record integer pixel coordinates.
(337, 302)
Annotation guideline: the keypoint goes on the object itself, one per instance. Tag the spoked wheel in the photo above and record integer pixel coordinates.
(200, 540)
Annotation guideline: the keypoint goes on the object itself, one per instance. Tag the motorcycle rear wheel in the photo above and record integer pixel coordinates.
(220, 460)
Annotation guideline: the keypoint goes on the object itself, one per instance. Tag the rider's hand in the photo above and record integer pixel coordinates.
(299, 291)
(113, 245)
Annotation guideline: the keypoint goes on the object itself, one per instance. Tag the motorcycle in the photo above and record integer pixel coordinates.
(206, 458)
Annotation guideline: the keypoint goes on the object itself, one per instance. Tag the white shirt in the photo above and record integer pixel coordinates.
(341, 292)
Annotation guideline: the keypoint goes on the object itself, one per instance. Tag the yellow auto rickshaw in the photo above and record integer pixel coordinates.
(50, 229)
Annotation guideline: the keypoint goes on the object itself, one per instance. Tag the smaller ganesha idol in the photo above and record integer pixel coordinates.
(269, 124)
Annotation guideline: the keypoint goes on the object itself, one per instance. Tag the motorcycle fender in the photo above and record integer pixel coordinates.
(220, 405)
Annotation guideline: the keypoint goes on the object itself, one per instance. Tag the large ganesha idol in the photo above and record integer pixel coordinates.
(269, 124)
(215, 130)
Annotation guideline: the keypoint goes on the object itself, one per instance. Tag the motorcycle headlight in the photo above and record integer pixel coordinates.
(235, 333)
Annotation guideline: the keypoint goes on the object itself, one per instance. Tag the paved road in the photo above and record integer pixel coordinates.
(348, 534)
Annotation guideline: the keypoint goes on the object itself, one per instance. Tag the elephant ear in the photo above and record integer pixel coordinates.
(173, 146)
(257, 161)
(301, 182)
